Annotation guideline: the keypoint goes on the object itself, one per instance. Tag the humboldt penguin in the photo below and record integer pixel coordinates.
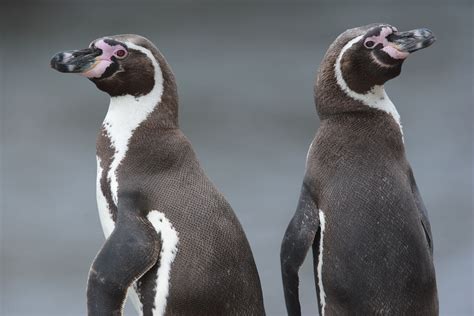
(172, 240)
(360, 209)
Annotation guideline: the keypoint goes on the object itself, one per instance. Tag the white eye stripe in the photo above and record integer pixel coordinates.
(376, 98)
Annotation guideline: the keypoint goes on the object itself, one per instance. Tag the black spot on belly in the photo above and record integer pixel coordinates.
(105, 187)
(146, 290)
(105, 152)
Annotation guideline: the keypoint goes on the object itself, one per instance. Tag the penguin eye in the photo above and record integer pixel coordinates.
(369, 44)
(121, 53)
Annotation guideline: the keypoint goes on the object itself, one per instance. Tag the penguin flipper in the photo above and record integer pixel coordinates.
(129, 252)
(422, 209)
(298, 239)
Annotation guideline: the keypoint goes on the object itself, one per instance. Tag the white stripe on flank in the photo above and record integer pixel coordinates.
(309, 152)
(376, 98)
(322, 294)
(125, 114)
(169, 248)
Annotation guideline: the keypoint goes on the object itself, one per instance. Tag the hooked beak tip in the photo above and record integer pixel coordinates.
(57, 62)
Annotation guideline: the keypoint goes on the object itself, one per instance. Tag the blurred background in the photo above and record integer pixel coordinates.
(245, 74)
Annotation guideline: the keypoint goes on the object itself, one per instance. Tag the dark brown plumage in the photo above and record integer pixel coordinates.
(213, 271)
(360, 209)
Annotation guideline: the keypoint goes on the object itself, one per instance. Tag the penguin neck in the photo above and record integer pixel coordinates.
(335, 97)
(375, 97)
(155, 111)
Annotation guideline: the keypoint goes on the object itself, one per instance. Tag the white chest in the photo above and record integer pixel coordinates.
(123, 117)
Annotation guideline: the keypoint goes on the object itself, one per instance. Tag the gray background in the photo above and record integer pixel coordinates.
(245, 74)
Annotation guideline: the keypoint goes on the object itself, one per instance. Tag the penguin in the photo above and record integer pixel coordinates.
(360, 209)
(172, 240)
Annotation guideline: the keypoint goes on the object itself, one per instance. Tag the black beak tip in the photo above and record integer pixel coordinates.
(428, 35)
(56, 62)
(53, 63)
(59, 63)
(432, 39)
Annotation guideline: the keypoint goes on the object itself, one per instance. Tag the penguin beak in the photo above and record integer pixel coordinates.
(75, 61)
(411, 41)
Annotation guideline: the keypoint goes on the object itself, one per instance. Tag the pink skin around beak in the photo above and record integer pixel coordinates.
(103, 61)
(388, 47)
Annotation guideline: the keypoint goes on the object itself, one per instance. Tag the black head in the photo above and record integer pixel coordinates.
(360, 61)
(377, 56)
(118, 65)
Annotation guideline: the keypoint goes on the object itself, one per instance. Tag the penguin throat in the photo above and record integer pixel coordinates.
(375, 98)
(125, 114)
